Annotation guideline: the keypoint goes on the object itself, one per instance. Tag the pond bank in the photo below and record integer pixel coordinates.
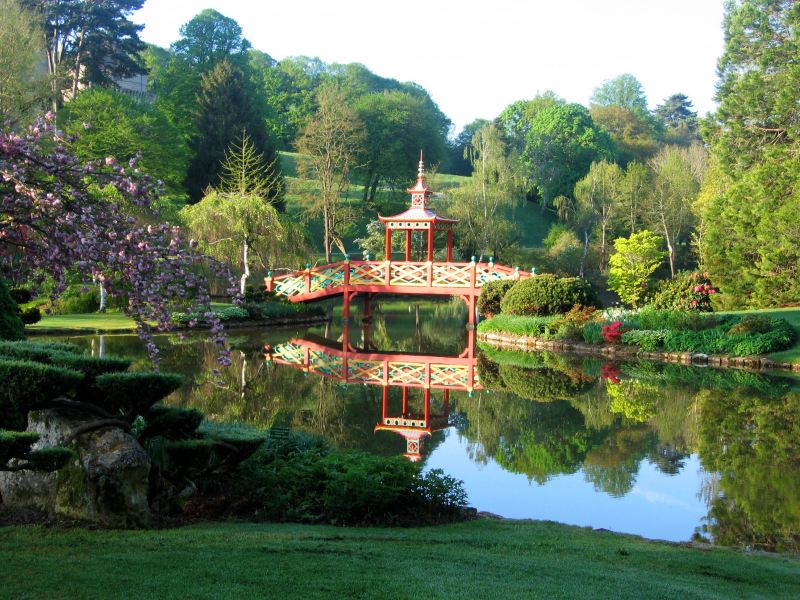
(511, 341)
(485, 559)
(100, 324)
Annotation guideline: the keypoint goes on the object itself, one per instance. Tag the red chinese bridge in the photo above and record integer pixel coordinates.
(349, 278)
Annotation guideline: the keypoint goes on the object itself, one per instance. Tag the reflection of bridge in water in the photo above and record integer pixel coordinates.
(347, 364)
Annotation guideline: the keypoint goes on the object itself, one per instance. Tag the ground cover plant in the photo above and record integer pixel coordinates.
(657, 330)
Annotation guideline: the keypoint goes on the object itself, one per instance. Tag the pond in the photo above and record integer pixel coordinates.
(662, 451)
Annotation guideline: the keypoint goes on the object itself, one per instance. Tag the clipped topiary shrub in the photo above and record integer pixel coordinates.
(30, 316)
(548, 295)
(133, 393)
(28, 384)
(11, 326)
(77, 300)
(171, 423)
(492, 293)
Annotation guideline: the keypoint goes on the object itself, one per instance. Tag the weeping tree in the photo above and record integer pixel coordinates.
(238, 218)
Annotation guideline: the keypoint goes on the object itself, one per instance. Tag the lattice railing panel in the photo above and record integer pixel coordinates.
(290, 353)
(329, 277)
(451, 275)
(367, 274)
(449, 375)
(326, 364)
(367, 371)
(406, 372)
(290, 285)
(409, 274)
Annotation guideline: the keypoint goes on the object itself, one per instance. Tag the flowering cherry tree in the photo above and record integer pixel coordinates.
(56, 214)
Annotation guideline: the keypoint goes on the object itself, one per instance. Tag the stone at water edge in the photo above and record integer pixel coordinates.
(106, 483)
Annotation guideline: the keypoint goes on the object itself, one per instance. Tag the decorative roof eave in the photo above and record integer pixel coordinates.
(419, 215)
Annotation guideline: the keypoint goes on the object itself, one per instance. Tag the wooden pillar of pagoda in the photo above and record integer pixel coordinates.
(408, 245)
(388, 244)
(449, 245)
(430, 243)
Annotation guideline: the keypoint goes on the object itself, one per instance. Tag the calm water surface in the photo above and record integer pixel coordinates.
(662, 451)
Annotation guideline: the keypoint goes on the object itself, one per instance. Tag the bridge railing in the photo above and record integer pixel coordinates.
(375, 369)
(352, 274)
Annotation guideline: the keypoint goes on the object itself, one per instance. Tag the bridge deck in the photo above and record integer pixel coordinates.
(386, 277)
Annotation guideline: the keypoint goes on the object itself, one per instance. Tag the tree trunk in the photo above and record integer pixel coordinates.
(585, 251)
(103, 298)
(246, 273)
(327, 235)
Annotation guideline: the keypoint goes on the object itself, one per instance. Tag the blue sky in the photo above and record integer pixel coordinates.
(476, 57)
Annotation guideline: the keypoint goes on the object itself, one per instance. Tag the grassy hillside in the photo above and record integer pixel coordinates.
(478, 559)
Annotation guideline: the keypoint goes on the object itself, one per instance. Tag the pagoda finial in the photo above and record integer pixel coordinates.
(421, 170)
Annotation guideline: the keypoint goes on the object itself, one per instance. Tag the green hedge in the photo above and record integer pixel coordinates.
(492, 294)
(548, 295)
(530, 326)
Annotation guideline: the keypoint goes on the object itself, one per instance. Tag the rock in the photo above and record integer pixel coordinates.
(106, 482)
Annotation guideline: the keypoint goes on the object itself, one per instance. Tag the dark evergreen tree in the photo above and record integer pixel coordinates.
(89, 42)
(678, 119)
(227, 106)
(752, 238)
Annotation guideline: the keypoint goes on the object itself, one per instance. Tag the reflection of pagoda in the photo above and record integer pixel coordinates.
(414, 427)
(408, 372)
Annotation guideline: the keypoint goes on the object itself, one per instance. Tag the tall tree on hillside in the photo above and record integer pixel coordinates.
(484, 227)
(22, 86)
(635, 188)
(752, 244)
(675, 186)
(225, 108)
(110, 123)
(210, 38)
(398, 125)
(458, 162)
(678, 119)
(625, 91)
(88, 41)
(561, 143)
(598, 196)
(634, 133)
(331, 141)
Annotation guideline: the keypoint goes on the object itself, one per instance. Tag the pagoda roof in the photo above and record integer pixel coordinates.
(417, 214)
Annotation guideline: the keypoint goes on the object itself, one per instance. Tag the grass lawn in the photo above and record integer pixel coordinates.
(100, 322)
(792, 315)
(481, 559)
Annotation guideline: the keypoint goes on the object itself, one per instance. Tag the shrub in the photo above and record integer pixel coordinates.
(593, 333)
(492, 293)
(531, 326)
(570, 326)
(30, 316)
(547, 295)
(648, 340)
(311, 482)
(649, 318)
(612, 333)
(21, 295)
(133, 393)
(686, 291)
(171, 423)
(11, 327)
(751, 324)
(27, 384)
(77, 299)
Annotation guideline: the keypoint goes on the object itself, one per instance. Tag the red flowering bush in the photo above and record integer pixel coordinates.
(686, 291)
(612, 334)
